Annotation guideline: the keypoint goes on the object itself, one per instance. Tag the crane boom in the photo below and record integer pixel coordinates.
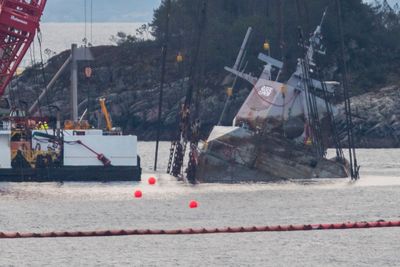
(104, 110)
(19, 21)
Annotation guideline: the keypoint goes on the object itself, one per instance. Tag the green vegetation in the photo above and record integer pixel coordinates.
(371, 34)
(128, 74)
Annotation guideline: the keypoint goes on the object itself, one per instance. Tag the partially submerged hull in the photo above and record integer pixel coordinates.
(235, 154)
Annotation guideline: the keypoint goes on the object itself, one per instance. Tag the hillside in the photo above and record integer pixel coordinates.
(128, 74)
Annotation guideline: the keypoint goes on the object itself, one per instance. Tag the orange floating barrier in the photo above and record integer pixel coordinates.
(193, 231)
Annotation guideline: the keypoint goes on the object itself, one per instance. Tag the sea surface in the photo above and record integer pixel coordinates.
(58, 37)
(91, 206)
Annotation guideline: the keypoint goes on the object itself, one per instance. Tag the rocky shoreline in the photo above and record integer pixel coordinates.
(376, 118)
(128, 77)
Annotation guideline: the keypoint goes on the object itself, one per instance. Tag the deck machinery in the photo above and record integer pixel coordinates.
(34, 148)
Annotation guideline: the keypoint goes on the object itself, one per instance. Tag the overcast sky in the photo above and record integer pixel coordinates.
(103, 10)
(391, 2)
(109, 10)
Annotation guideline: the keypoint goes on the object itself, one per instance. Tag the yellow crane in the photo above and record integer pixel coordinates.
(104, 110)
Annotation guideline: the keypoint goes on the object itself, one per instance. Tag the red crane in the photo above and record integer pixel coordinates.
(19, 21)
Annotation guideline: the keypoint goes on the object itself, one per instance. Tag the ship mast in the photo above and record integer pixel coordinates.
(304, 68)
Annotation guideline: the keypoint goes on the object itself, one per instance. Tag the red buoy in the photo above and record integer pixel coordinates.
(152, 181)
(138, 194)
(193, 204)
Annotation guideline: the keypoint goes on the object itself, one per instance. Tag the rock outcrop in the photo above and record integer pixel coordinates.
(376, 118)
(128, 76)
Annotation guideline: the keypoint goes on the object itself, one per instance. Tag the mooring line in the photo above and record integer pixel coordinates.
(192, 231)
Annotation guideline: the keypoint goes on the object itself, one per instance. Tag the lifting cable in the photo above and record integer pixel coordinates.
(196, 124)
(197, 231)
(281, 31)
(35, 78)
(196, 52)
(175, 145)
(198, 76)
(354, 168)
(164, 51)
(13, 91)
(184, 123)
(310, 91)
(331, 117)
(90, 21)
(43, 71)
(85, 16)
(312, 108)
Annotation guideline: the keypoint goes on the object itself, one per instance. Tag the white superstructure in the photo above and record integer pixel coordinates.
(121, 150)
(5, 155)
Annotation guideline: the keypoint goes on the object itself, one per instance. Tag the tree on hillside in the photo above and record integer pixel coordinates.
(371, 33)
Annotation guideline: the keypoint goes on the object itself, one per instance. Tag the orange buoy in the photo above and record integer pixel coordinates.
(152, 181)
(138, 194)
(179, 57)
(88, 72)
(193, 204)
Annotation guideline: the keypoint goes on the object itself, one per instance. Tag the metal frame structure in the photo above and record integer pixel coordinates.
(19, 22)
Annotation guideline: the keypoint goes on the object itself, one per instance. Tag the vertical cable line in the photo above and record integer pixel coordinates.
(91, 22)
(85, 11)
(311, 102)
(354, 168)
(35, 78)
(42, 68)
(195, 126)
(332, 121)
(162, 80)
(184, 124)
(281, 26)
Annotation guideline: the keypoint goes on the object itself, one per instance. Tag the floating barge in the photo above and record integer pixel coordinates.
(78, 155)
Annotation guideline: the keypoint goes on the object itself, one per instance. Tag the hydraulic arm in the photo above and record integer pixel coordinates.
(104, 110)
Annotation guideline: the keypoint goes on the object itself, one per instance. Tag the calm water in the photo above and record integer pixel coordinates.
(80, 206)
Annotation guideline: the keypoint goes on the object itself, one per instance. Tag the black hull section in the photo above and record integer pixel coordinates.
(72, 174)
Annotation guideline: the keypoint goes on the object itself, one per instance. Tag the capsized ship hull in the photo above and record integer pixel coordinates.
(235, 154)
(282, 129)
